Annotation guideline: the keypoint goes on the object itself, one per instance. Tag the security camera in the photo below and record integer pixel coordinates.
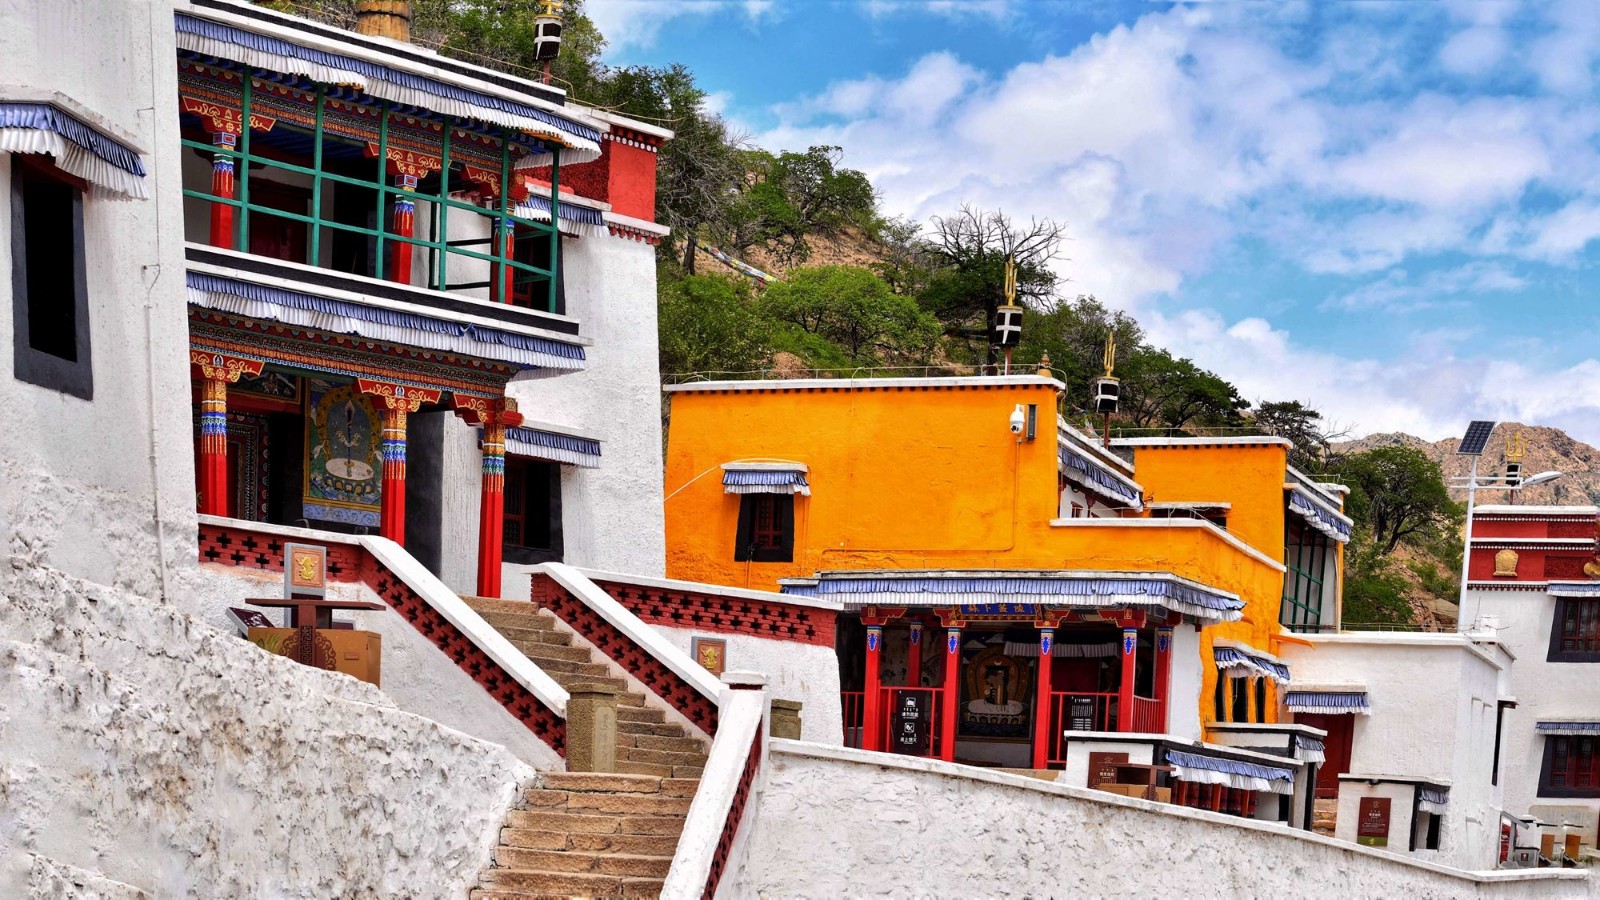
(1018, 420)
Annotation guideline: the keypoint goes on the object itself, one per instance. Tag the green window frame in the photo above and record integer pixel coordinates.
(439, 247)
(1306, 557)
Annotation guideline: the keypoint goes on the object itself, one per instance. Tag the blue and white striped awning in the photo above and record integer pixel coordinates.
(1244, 776)
(219, 41)
(113, 170)
(259, 301)
(1574, 589)
(1431, 800)
(1571, 726)
(1242, 662)
(1310, 749)
(1327, 702)
(554, 446)
(1319, 515)
(1094, 476)
(765, 481)
(576, 219)
(1076, 590)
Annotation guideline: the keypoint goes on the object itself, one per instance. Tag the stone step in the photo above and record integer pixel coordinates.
(629, 698)
(641, 888)
(663, 729)
(519, 620)
(553, 651)
(679, 787)
(688, 772)
(639, 768)
(567, 679)
(640, 714)
(591, 822)
(626, 804)
(601, 781)
(561, 884)
(638, 844)
(582, 861)
(537, 635)
(567, 666)
(677, 744)
(664, 757)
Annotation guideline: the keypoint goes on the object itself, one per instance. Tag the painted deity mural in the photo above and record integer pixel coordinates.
(344, 469)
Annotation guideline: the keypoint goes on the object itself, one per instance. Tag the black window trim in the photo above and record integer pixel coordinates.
(743, 549)
(1555, 653)
(72, 377)
(1545, 789)
(517, 553)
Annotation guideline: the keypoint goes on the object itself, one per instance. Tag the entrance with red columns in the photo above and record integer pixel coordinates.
(494, 417)
(398, 402)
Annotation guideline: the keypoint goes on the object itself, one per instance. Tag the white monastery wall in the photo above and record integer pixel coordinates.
(1183, 707)
(1433, 698)
(612, 515)
(1545, 691)
(835, 822)
(160, 752)
(104, 516)
(795, 671)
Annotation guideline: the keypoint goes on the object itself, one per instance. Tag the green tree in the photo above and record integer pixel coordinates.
(1303, 426)
(853, 309)
(1159, 389)
(1374, 594)
(709, 323)
(1397, 494)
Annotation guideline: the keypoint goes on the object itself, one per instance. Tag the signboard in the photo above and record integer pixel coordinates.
(909, 721)
(1080, 713)
(1103, 767)
(1372, 822)
(712, 653)
(305, 570)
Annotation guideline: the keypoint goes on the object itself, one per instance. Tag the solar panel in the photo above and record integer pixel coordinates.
(1477, 436)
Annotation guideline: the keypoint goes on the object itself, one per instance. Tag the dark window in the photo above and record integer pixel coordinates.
(1575, 634)
(766, 528)
(50, 306)
(1220, 701)
(1241, 700)
(1261, 699)
(1571, 766)
(1306, 552)
(1432, 840)
(533, 511)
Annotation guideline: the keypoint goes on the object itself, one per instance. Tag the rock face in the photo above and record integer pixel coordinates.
(146, 748)
(1548, 449)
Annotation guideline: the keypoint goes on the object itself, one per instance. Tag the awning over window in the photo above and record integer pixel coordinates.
(583, 220)
(1568, 727)
(1246, 662)
(765, 478)
(214, 39)
(113, 170)
(1574, 589)
(259, 301)
(1319, 515)
(1310, 749)
(1433, 801)
(553, 446)
(1328, 702)
(1096, 477)
(1232, 773)
(1030, 650)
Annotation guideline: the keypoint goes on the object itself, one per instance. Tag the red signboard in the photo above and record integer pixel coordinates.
(1372, 822)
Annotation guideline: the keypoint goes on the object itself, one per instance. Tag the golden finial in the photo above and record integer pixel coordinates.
(551, 7)
(1111, 352)
(1044, 364)
(1011, 281)
(1516, 448)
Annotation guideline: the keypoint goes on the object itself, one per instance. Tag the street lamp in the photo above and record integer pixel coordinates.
(1472, 445)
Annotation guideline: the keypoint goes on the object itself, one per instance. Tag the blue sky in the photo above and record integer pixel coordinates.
(1390, 210)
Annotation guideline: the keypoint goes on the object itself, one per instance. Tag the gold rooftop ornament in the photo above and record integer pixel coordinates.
(1008, 318)
(1106, 390)
(1516, 449)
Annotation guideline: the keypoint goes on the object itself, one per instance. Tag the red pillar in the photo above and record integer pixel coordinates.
(914, 656)
(1041, 701)
(492, 510)
(404, 225)
(871, 708)
(213, 460)
(222, 175)
(392, 518)
(1130, 647)
(1163, 686)
(952, 692)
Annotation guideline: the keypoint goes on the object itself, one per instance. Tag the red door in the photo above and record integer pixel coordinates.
(1340, 729)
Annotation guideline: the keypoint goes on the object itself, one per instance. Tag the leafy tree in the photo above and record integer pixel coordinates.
(791, 197)
(1397, 494)
(709, 323)
(1304, 428)
(1160, 389)
(853, 309)
(1374, 594)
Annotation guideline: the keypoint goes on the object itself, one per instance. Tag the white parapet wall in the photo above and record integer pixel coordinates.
(147, 748)
(837, 822)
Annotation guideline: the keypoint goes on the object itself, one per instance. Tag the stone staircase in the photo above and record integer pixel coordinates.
(646, 743)
(1325, 816)
(586, 834)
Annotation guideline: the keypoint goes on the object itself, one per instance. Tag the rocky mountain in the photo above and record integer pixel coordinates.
(1548, 449)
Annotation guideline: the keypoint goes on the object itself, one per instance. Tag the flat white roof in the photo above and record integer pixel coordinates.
(1489, 509)
(1243, 440)
(865, 384)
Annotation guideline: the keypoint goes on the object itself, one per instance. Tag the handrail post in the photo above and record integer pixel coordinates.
(592, 727)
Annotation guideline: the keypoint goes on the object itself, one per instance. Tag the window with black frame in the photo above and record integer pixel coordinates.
(532, 522)
(766, 528)
(50, 303)
(1571, 766)
(1306, 553)
(1575, 631)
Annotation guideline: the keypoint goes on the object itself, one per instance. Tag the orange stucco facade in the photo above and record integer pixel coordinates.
(931, 477)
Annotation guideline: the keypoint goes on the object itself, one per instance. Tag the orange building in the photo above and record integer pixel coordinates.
(1151, 573)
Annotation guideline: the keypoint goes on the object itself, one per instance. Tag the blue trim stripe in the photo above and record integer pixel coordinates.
(1048, 587)
(1300, 501)
(297, 300)
(1228, 766)
(1567, 728)
(45, 117)
(570, 212)
(218, 32)
(1226, 656)
(1329, 701)
(764, 478)
(555, 441)
(1096, 475)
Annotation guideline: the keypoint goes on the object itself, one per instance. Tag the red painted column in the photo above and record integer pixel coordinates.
(213, 461)
(914, 656)
(1130, 647)
(871, 707)
(1041, 701)
(404, 225)
(392, 516)
(492, 509)
(1163, 680)
(952, 692)
(222, 185)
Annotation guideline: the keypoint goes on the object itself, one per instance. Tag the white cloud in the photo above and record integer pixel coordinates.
(955, 9)
(1397, 291)
(637, 23)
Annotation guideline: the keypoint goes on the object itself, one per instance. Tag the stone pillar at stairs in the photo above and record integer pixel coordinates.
(785, 722)
(592, 727)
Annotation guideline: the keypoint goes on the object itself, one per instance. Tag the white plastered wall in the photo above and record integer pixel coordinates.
(65, 500)
(1183, 704)
(795, 671)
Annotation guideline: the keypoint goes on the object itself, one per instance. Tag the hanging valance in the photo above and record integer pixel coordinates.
(765, 481)
(1330, 522)
(1095, 477)
(1327, 702)
(1232, 773)
(1574, 589)
(553, 446)
(1310, 749)
(1030, 650)
(583, 220)
(114, 171)
(1569, 727)
(1432, 801)
(1087, 591)
(1241, 662)
(219, 41)
(294, 308)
